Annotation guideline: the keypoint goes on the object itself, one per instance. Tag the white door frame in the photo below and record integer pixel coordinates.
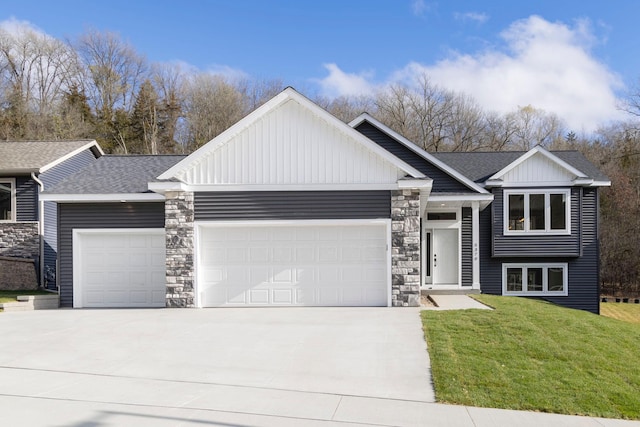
(77, 233)
(435, 225)
(199, 225)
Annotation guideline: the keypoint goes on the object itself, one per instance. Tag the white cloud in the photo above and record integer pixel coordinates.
(229, 73)
(16, 27)
(339, 83)
(420, 7)
(476, 17)
(548, 65)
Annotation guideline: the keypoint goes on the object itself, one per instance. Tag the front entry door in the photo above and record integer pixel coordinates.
(444, 256)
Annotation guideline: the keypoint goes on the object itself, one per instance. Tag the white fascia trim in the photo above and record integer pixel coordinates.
(117, 197)
(161, 187)
(290, 222)
(415, 183)
(289, 187)
(284, 96)
(488, 197)
(601, 184)
(71, 154)
(422, 153)
(530, 153)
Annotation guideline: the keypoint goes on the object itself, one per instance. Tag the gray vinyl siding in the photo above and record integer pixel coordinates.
(97, 215)
(467, 249)
(538, 246)
(291, 205)
(442, 182)
(50, 178)
(583, 286)
(26, 199)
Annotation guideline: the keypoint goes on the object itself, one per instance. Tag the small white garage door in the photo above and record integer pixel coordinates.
(119, 268)
(299, 264)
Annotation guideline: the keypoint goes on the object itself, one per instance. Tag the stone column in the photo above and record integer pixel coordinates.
(405, 250)
(179, 231)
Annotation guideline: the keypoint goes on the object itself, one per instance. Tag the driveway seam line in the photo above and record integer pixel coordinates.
(212, 384)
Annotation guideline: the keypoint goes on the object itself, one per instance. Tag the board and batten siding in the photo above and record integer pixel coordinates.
(97, 215)
(467, 247)
(26, 199)
(539, 245)
(442, 182)
(50, 178)
(291, 205)
(290, 145)
(583, 287)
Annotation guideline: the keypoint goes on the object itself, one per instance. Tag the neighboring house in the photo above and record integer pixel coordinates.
(27, 224)
(291, 206)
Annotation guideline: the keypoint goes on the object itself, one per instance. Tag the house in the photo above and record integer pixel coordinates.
(28, 224)
(290, 206)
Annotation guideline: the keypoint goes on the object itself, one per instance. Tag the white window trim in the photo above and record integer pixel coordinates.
(545, 267)
(547, 217)
(14, 213)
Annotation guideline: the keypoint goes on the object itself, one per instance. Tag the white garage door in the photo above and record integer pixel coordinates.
(298, 264)
(119, 268)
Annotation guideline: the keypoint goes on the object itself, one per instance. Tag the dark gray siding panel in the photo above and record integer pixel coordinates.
(50, 178)
(98, 215)
(538, 246)
(583, 271)
(442, 182)
(467, 250)
(274, 205)
(26, 199)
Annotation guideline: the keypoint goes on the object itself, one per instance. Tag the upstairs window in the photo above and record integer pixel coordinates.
(7, 199)
(537, 211)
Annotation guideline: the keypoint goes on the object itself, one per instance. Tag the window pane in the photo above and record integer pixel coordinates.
(5, 201)
(536, 212)
(534, 280)
(514, 280)
(558, 211)
(516, 211)
(555, 280)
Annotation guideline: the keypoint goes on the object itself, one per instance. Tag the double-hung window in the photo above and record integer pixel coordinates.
(535, 279)
(7, 199)
(537, 211)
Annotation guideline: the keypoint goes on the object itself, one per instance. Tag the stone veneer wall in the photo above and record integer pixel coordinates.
(179, 232)
(405, 248)
(19, 239)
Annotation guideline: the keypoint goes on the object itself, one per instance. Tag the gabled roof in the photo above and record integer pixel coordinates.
(113, 177)
(257, 139)
(18, 157)
(413, 147)
(481, 166)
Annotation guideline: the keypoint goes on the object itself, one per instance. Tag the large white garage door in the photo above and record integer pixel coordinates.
(119, 268)
(300, 264)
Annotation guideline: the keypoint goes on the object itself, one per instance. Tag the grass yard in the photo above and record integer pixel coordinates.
(532, 355)
(10, 296)
(621, 311)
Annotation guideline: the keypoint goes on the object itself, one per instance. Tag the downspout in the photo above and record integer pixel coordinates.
(40, 226)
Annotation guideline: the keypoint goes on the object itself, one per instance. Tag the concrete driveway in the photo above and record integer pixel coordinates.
(171, 366)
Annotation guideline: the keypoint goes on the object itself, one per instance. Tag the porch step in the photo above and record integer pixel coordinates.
(427, 292)
(32, 302)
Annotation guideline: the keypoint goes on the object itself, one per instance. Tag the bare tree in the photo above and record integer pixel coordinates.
(535, 127)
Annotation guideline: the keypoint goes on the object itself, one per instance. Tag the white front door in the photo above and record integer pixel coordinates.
(444, 256)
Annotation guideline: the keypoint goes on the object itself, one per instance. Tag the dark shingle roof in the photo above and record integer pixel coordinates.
(479, 166)
(31, 156)
(116, 174)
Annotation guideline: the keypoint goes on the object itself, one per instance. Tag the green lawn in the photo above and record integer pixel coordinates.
(621, 311)
(10, 296)
(531, 355)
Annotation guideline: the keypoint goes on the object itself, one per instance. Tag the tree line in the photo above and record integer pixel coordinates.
(98, 86)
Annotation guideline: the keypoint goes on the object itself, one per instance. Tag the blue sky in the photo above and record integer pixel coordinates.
(574, 58)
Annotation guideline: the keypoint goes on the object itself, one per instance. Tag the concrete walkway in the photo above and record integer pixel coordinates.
(455, 302)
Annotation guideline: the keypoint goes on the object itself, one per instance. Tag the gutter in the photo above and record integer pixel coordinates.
(40, 226)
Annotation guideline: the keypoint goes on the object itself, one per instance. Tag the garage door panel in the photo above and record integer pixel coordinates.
(119, 268)
(323, 265)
